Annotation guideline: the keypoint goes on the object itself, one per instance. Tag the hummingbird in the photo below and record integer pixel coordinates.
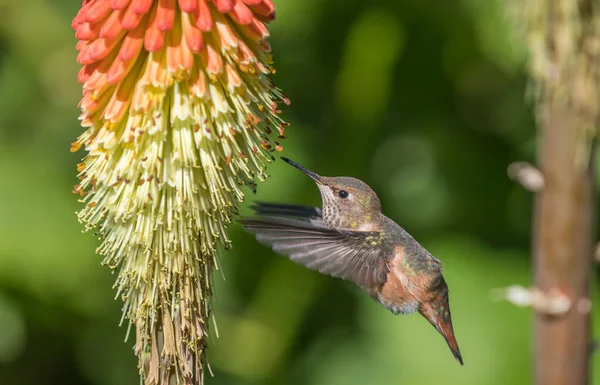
(350, 238)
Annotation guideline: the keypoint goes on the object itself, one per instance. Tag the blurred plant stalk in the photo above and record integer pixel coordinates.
(179, 114)
(563, 38)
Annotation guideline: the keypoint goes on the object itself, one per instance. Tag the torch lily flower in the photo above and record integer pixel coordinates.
(179, 114)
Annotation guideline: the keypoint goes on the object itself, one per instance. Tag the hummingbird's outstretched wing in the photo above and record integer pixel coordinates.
(352, 255)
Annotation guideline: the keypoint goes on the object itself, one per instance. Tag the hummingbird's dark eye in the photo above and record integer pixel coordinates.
(343, 194)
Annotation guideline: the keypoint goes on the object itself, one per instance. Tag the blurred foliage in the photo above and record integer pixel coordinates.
(425, 103)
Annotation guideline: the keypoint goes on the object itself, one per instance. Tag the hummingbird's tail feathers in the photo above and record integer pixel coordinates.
(437, 312)
(451, 340)
(286, 210)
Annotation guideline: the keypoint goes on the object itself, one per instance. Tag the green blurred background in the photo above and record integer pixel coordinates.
(422, 100)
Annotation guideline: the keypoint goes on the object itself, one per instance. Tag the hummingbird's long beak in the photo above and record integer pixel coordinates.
(314, 176)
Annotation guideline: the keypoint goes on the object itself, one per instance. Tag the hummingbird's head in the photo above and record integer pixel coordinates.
(347, 202)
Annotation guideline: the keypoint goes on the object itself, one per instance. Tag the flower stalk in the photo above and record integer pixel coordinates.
(562, 38)
(179, 114)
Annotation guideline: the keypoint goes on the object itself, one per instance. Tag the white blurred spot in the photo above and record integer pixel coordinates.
(553, 302)
(530, 177)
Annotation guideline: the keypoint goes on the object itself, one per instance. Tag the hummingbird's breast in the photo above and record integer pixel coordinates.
(396, 294)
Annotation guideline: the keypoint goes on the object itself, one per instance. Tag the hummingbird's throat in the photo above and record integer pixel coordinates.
(347, 214)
